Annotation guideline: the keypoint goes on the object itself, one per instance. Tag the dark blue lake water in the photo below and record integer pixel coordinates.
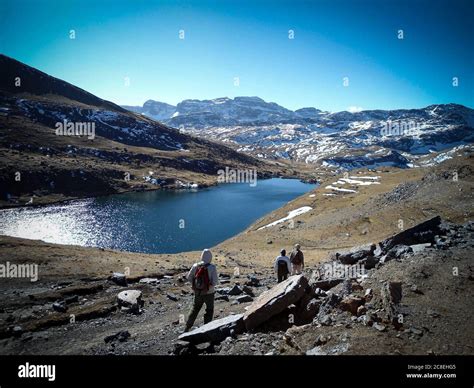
(155, 221)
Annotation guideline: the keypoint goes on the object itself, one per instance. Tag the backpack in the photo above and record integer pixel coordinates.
(201, 281)
(296, 258)
(282, 268)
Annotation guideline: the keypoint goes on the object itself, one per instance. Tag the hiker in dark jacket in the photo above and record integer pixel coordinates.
(282, 266)
(297, 260)
(203, 277)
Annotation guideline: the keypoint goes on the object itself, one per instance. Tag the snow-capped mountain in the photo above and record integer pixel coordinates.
(223, 112)
(342, 139)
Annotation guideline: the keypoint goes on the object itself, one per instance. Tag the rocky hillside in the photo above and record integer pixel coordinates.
(107, 149)
(341, 140)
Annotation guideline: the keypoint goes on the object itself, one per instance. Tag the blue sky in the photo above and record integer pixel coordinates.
(333, 39)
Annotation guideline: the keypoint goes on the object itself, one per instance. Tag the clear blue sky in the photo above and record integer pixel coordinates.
(226, 39)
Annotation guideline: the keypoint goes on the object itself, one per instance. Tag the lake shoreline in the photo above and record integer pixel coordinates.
(144, 221)
(50, 199)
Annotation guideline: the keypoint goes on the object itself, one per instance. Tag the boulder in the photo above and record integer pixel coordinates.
(355, 254)
(252, 281)
(130, 300)
(215, 331)
(275, 300)
(307, 309)
(325, 284)
(419, 234)
(351, 304)
(236, 290)
(60, 307)
(119, 279)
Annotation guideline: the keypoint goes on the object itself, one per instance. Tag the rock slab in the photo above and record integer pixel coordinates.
(275, 300)
(215, 331)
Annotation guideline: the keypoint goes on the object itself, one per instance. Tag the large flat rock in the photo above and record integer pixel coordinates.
(275, 300)
(215, 331)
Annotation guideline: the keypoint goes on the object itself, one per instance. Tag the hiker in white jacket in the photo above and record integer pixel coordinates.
(282, 266)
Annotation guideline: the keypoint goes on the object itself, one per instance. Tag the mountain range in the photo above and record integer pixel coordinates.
(127, 151)
(342, 139)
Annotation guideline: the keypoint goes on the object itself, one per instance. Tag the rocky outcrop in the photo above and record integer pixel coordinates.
(419, 234)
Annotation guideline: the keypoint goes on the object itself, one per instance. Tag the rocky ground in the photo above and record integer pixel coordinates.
(74, 307)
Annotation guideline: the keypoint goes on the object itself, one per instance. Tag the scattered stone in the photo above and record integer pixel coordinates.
(248, 291)
(325, 320)
(119, 278)
(244, 299)
(222, 297)
(130, 300)
(368, 295)
(379, 326)
(236, 290)
(433, 314)
(215, 331)
(172, 296)
(361, 310)
(121, 336)
(60, 307)
(17, 331)
(151, 281)
(416, 331)
(275, 300)
(322, 339)
(414, 288)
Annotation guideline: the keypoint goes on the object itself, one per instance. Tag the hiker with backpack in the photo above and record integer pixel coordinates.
(203, 277)
(282, 266)
(297, 260)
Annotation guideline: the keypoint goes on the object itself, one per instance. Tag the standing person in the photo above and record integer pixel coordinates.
(297, 260)
(203, 277)
(282, 266)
